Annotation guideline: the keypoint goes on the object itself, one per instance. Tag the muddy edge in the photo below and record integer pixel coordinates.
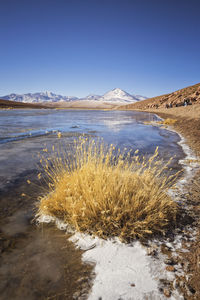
(36, 262)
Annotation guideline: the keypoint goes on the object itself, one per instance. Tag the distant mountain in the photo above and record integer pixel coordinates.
(39, 97)
(116, 95)
(92, 97)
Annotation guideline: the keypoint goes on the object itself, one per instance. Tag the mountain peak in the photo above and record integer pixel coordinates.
(117, 93)
(117, 90)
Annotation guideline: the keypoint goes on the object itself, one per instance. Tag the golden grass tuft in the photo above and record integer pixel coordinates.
(168, 121)
(99, 192)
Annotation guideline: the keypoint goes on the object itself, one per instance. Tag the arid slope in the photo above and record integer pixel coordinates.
(189, 94)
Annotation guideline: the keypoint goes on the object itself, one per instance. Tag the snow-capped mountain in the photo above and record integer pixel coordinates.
(39, 97)
(116, 95)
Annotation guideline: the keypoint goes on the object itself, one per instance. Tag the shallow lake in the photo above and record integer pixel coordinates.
(24, 133)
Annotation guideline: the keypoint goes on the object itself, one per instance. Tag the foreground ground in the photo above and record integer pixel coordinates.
(188, 125)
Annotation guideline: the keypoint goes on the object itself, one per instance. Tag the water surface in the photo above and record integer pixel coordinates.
(23, 133)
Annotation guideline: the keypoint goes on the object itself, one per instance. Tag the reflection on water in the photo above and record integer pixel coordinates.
(21, 124)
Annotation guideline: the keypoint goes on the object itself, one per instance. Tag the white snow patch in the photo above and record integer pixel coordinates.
(189, 168)
(123, 271)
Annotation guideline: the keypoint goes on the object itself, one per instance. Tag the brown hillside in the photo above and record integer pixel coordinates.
(190, 95)
(14, 104)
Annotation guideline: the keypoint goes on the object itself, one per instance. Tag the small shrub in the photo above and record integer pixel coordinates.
(108, 193)
(169, 121)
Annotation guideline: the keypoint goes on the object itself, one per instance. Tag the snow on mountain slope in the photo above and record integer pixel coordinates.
(38, 97)
(116, 95)
(92, 97)
(119, 96)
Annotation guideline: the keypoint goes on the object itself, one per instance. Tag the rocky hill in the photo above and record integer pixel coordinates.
(188, 95)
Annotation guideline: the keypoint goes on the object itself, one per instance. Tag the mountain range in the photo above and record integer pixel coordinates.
(116, 95)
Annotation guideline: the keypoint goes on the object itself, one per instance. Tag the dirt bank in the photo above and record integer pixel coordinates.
(188, 125)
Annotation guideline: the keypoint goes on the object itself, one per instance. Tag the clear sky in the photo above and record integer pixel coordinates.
(78, 47)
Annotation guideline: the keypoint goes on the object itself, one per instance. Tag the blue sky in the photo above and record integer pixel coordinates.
(78, 47)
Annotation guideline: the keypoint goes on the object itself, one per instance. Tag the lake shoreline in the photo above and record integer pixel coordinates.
(188, 125)
(189, 128)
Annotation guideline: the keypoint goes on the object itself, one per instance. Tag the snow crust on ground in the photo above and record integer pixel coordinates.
(189, 163)
(191, 167)
(122, 271)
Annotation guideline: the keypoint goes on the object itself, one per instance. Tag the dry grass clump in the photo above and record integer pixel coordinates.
(107, 193)
(168, 121)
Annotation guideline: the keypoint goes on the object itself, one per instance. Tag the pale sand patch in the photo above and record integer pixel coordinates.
(85, 104)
